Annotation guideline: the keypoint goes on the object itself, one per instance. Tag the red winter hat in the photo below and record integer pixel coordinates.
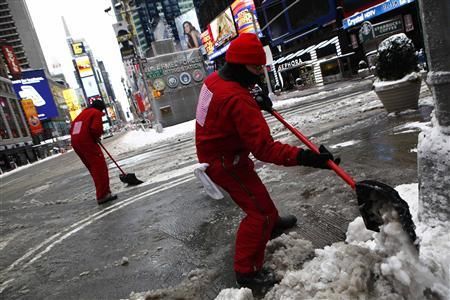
(246, 49)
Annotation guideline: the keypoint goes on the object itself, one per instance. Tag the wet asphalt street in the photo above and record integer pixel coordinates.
(56, 243)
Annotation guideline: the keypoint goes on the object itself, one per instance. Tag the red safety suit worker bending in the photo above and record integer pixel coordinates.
(230, 126)
(85, 131)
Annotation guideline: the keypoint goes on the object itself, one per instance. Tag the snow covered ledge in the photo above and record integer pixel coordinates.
(434, 173)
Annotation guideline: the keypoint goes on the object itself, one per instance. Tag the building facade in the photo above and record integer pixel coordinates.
(15, 138)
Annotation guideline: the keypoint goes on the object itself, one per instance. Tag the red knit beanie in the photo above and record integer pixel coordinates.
(246, 49)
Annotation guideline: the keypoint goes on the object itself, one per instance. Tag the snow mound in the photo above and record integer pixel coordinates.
(196, 281)
(287, 252)
(134, 140)
(235, 294)
(371, 265)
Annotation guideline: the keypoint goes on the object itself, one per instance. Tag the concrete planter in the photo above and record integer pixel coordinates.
(399, 95)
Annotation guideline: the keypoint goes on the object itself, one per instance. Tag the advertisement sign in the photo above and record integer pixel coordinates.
(220, 32)
(73, 105)
(388, 27)
(34, 86)
(222, 29)
(84, 66)
(140, 102)
(207, 43)
(11, 61)
(125, 40)
(90, 86)
(32, 116)
(187, 27)
(78, 48)
(244, 13)
(374, 11)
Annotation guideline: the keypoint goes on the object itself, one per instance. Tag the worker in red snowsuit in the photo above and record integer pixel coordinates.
(229, 127)
(85, 131)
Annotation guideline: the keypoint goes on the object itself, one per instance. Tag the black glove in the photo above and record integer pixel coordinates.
(309, 158)
(264, 102)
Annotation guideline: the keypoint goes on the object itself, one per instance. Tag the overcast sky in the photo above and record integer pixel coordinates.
(87, 20)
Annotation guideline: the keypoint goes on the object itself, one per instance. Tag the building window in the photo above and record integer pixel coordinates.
(18, 113)
(3, 131)
(9, 117)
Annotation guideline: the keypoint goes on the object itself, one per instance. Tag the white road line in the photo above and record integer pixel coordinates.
(70, 230)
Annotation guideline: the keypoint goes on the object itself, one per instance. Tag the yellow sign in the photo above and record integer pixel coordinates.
(72, 103)
(84, 66)
(78, 48)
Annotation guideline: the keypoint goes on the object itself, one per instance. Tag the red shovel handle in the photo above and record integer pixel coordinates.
(339, 171)
(110, 156)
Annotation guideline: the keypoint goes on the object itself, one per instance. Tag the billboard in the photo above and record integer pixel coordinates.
(219, 33)
(90, 86)
(125, 40)
(78, 48)
(34, 86)
(244, 14)
(187, 27)
(222, 28)
(32, 116)
(84, 66)
(73, 105)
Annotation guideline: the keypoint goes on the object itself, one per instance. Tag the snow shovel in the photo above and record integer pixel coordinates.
(374, 198)
(129, 178)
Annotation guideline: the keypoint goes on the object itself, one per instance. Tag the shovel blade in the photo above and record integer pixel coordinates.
(373, 196)
(130, 179)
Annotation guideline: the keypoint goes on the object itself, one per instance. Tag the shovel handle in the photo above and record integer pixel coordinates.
(339, 171)
(101, 145)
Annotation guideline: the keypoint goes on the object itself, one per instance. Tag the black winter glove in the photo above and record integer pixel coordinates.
(309, 158)
(264, 102)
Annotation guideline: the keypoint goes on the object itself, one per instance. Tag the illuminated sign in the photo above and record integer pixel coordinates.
(90, 86)
(84, 66)
(11, 61)
(374, 11)
(72, 103)
(78, 48)
(34, 86)
(32, 116)
(244, 13)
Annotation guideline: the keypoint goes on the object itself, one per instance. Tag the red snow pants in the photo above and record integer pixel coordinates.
(246, 189)
(92, 157)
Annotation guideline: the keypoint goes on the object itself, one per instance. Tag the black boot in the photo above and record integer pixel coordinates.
(282, 224)
(256, 280)
(107, 198)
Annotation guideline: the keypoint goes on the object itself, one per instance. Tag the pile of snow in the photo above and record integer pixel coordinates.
(134, 140)
(368, 265)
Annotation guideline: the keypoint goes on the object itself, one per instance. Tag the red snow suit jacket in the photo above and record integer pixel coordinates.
(87, 127)
(230, 123)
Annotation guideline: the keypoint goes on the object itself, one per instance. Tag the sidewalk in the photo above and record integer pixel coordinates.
(346, 86)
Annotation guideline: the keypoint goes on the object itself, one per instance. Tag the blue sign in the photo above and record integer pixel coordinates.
(374, 11)
(34, 86)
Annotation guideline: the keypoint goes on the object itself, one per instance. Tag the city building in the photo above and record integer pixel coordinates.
(25, 61)
(15, 137)
(152, 19)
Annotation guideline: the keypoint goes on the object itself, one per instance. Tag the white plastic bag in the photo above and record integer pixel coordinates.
(210, 187)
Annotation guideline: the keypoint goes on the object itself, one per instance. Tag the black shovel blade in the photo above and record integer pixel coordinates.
(130, 178)
(373, 196)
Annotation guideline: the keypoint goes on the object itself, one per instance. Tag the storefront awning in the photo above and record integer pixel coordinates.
(307, 50)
